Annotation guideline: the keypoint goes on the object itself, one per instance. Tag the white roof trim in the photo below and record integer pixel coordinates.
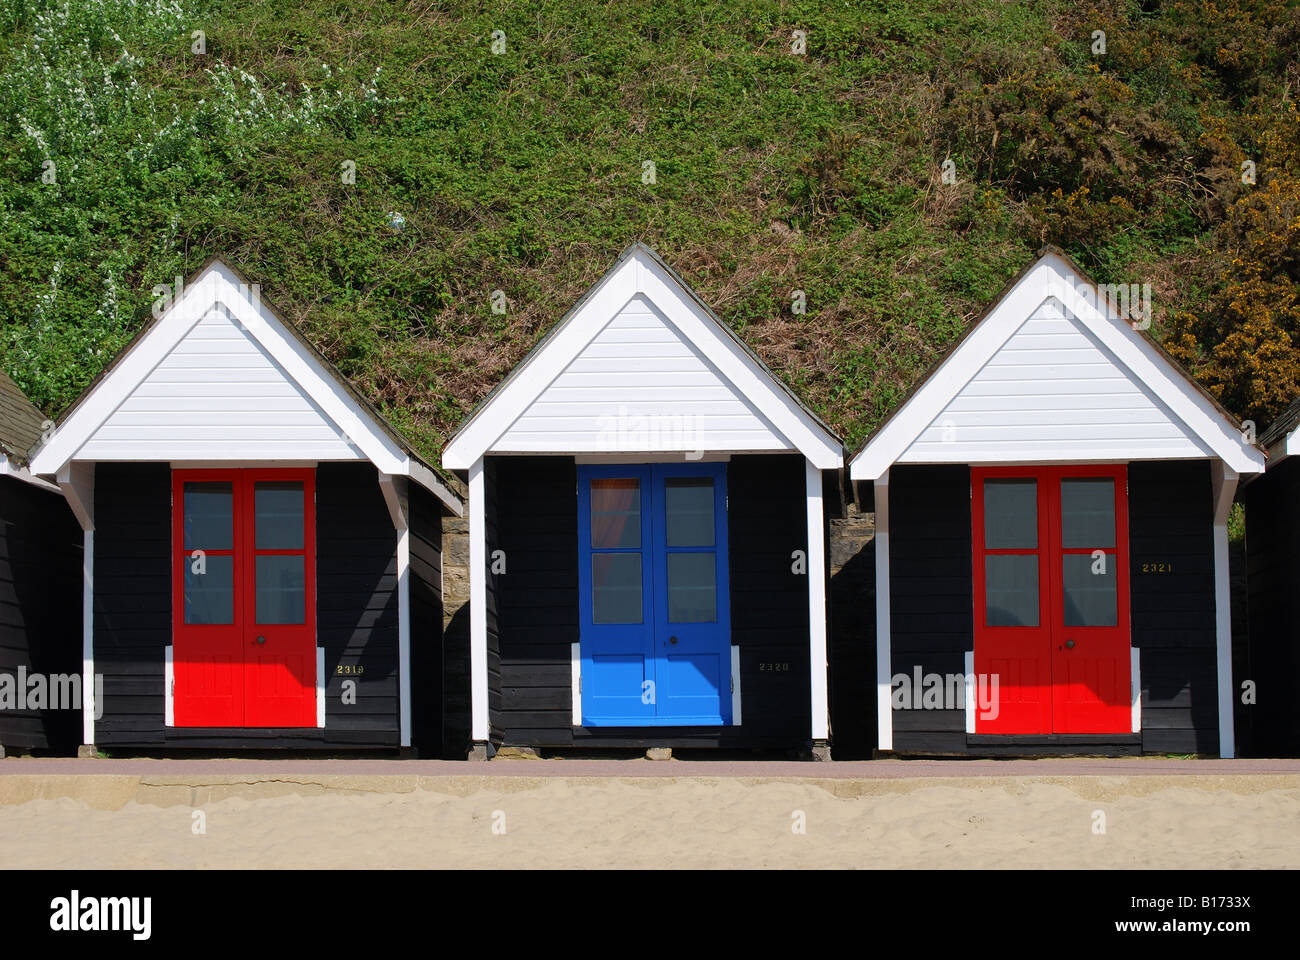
(218, 284)
(1288, 446)
(1053, 276)
(640, 273)
(9, 469)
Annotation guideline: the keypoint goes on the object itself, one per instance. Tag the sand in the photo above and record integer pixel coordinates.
(659, 822)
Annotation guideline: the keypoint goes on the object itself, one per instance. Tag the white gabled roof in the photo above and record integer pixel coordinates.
(1282, 438)
(220, 376)
(641, 365)
(1052, 374)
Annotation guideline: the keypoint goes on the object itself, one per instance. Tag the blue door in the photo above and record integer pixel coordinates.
(656, 627)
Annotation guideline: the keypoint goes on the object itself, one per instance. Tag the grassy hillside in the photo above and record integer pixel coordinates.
(523, 171)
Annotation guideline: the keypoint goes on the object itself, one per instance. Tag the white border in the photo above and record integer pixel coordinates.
(88, 699)
(397, 499)
(971, 692)
(320, 688)
(218, 284)
(1051, 276)
(479, 729)
(884, 712)
(817, 602)
(639, 273)
(7, 469)
(575, 675)
(77, 482)
(169, 687)
(1135, 686)
(735, 685)
(620, 458)
(1225, 486)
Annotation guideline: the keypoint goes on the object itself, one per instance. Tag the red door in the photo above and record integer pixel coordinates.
(1052, 598)
(244, 604)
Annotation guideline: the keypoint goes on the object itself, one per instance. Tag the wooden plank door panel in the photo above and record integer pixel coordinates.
(207, 649)
(615, 585)
(692, 594)
(1068, 671)
(1012, 600)
(232, 666)
(1090, 583)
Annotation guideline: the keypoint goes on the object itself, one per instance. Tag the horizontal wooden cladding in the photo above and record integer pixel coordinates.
(1173, 606)
(1052, 388)
(132, 604)
(1173, 612)
(1271, 658)
(534, 506)
(356, 568)
(955, 742)
(216, 389)
(356, 614)
(641, 385)
(930, 566)
(40, 608)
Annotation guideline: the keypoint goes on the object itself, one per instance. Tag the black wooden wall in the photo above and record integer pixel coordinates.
(40, 609)
(930, 590)
(495, 668)
(439, 675)
(1273, 576)
(534, 508)
(356, 601)
(851, 608)
(356, 611)
(132, 606)
(1173, 616)
(532, 514)
(1171, 517)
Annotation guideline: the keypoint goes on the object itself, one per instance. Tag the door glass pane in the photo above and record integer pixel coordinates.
(1090, 592)
(1011, 590)
(692, 587)
(689, 508)
(281, 589)
(279, 516)
(208, 515)
(616, 515)
(1088, 512)
(616, 587)
(209, 589)
(1011, 514)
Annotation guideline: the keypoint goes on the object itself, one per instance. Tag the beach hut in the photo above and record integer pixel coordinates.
(40, 567)
(647, 534)
(1051, 549)
(263, 551)
(1272, 659)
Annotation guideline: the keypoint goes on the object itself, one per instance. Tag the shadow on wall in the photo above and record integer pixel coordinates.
(852, 610)
(43, 558)
(456, 686)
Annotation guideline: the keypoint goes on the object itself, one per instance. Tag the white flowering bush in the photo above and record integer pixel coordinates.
(93, 153)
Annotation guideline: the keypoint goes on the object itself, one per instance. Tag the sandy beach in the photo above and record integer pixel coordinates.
(663, 821)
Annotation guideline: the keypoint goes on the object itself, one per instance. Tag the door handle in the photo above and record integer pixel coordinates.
(1069, 644)
(672, 640)
(260, 640)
